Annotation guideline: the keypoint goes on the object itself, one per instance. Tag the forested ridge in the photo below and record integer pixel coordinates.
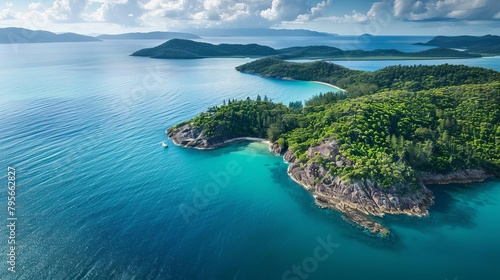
(412, 123)
(187, 49)
(358, 83)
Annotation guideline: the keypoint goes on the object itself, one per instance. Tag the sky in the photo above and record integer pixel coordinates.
(345, 17)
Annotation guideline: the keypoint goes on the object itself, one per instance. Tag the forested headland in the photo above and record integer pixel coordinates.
(367, 150)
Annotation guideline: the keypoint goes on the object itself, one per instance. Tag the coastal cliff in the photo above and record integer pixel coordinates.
(188, 136)
(357, 200)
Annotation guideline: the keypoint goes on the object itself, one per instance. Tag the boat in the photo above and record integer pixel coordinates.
(164, 144)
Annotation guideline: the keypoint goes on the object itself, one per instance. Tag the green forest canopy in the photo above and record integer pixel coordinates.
(358, 83)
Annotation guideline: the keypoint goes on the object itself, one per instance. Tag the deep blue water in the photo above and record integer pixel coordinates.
(99, 198)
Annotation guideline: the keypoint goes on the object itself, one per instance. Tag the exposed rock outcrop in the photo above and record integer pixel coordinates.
(276, 149)
(190, 137)
(357, 200)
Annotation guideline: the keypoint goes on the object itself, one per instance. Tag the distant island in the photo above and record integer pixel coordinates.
(257, 32)
(14, 35)
(370, 150)
(487, 45)
(187, 49)
(158, 35)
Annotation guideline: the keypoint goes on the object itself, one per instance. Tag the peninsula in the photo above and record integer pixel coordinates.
(369, 153)
(187, 49)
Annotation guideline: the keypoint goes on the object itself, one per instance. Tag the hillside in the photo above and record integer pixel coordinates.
(358, 83)
(14, 35)
(184, 49)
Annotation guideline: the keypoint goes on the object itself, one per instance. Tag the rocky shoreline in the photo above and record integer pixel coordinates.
(187, 136)
(358, 201)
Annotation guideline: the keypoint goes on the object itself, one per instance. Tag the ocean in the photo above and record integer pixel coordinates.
(97, 196)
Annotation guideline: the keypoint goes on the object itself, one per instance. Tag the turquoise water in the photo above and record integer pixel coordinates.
(99, 198)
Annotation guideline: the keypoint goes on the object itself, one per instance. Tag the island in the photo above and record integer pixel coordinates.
(486, 45)
(14, 35)
(187, 49)
(368, 153)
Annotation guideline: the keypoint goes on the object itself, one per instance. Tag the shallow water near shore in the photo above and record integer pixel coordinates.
(98, 196)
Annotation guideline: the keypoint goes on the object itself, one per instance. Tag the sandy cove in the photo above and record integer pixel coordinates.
(330, 85)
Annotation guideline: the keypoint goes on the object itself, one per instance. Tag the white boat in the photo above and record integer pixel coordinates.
(164, 144)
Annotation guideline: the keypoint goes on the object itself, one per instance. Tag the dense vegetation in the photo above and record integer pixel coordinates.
(386, 136)
(489, 44)
(359, 83)
(183, 49)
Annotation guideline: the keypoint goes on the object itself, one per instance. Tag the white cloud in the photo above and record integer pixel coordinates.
(117, 12)
(285, 10)
(7, 14)
(316, 11)
(34, 5)
(418, 10)
(171, 14)
(109, 1)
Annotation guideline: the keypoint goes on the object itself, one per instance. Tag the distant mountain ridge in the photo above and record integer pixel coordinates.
(157, 35)
(186, 49)
(15, 35)
(256, 32)
(488, 44)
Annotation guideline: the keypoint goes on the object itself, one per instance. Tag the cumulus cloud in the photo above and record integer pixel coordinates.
(7, 14)
(316, 11)
(109, 1)
(113, 11)
(428, 10)
(285, 10)
(251, 12)
(242, 13)
(34, 5)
